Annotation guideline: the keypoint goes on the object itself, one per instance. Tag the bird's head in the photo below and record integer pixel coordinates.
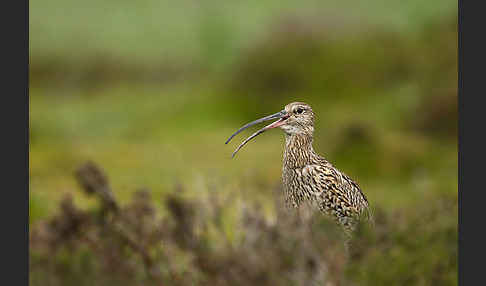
(300, 119)
(297, 118)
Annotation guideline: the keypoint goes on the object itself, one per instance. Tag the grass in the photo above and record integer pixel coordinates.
(147, 140)
(74, 37)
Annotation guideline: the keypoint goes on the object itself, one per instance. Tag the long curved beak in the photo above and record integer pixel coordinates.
(281, 116)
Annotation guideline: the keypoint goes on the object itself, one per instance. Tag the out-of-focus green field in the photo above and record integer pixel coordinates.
(151, 90)
(161, 137)
(212, 33)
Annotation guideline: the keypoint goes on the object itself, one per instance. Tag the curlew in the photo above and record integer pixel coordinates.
(308, 176)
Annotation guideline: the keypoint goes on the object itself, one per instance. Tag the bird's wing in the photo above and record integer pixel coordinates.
(331, 184)
(324, 179)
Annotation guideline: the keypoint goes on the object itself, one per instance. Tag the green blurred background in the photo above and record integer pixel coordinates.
(152, 89)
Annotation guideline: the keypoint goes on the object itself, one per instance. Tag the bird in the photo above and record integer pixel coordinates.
(309, 177)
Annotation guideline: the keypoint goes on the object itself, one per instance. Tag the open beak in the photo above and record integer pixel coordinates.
(281, 116)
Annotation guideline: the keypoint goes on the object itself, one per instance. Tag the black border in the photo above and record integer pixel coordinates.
(471, 162)
(14, 118)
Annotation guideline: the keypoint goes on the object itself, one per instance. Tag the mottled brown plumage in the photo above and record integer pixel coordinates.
(309, 177)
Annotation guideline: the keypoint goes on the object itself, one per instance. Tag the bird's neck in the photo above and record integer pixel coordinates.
(298, 150)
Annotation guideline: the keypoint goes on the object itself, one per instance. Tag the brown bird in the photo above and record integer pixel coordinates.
(309, 177)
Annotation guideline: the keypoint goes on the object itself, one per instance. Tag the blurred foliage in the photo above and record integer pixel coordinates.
(152, 89)
(136, 245)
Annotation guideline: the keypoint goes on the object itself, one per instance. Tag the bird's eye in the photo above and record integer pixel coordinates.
(299, 110)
